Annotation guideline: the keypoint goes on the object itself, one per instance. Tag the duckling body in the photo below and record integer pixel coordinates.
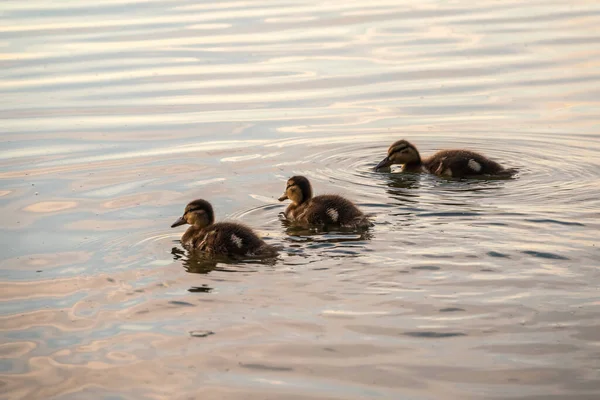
(223, 238)
(447, 163)
(461, 163)
(320, 210)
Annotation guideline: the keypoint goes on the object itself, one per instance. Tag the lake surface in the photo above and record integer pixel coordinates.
(117, 113)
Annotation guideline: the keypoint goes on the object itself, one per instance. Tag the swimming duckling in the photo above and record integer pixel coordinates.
(223, 238)
(320, 210)
(448, 163)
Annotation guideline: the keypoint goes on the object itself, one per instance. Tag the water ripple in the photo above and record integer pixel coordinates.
(117, 113)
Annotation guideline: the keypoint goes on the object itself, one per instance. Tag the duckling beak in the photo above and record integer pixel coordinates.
(284, 197)
(386, 162)
(179, 222)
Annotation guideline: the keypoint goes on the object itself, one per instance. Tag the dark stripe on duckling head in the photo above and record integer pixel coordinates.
(399, 146)
(402, 145)
(201, 205)
(304, 186)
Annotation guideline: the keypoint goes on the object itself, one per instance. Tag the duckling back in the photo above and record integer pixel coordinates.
(228, 238)
(327, 210)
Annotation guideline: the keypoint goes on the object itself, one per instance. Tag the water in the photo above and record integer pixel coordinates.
(115, 114)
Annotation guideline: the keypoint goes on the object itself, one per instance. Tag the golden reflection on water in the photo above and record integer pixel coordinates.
(116, 114)
(50, 206)
(54, 260)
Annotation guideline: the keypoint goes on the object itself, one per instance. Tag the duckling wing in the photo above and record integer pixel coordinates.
(231, 239)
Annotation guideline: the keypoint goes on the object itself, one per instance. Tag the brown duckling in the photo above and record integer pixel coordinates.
(447, 163)
(320, 210)
(223, 238)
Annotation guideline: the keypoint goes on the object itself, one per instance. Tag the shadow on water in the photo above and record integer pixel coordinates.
(201, 263)
(403, 186)
(324, 234)
(324, 242)
(400, 181)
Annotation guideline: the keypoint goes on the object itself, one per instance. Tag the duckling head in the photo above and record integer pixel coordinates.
(401, 152)
(297, 189)
(198, 213)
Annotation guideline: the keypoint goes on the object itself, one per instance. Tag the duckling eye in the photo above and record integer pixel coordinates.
(403, 150)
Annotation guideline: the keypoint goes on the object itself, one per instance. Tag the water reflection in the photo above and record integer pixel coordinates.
(325, 234)
(196, 262)
(200, 289)
(404, 186)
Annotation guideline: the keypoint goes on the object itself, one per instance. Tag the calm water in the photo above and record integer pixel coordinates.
(117, 113)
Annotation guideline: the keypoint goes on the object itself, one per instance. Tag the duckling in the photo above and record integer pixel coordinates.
(223, 238)
(320, 210)
(447, 163)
